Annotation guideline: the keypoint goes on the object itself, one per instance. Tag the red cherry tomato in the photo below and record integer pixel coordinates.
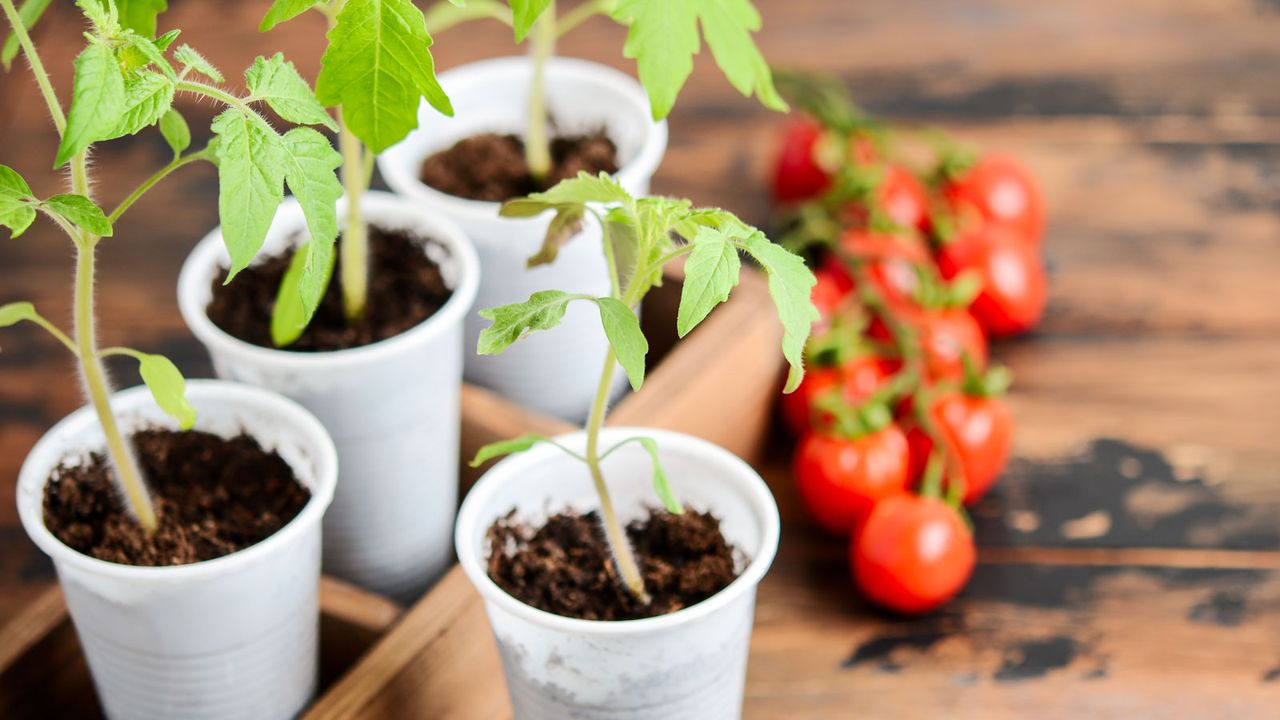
(840, 480)
(1003, 192)
(913, 554)
(797, 175)
(902, 197)
(978, 432)
(1014, 286)
(832, 287)
(858, 379)
(946, 336)
(891, 261)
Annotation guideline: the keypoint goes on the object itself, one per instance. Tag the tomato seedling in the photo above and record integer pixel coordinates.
(638, 244)
(662, 37)
(125, 81)
(375, 70)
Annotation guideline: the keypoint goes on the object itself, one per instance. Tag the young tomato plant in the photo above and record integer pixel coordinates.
(376, 68)
(662, 37)
(125, 81)
(638, 245)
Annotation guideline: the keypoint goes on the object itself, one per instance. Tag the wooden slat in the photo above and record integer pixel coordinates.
(43, 673)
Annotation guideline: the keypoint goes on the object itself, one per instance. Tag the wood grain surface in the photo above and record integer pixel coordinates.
(1131, 557)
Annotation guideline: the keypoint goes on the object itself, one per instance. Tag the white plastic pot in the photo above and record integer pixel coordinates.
(690, 664)
(555, 372)
(391, 407)
(234, 637)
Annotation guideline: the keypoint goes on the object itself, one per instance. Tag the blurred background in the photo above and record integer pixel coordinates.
(1132, 550)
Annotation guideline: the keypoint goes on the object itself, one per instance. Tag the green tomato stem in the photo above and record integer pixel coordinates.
(537, 143)
(354, 245)
(95, 382)
(37, 67)
(580, 14)
(150, 182)
(619, 546)
(445, 15)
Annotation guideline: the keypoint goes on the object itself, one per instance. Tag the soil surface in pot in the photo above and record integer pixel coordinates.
(213, 496)
(405, 288)
(564, 566)
(492, 167)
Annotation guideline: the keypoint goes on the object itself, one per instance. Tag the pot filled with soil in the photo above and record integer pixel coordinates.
(214, 613)
(386, 387)
(464, 167)
(574, 642)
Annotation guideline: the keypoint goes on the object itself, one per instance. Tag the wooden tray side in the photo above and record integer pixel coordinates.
(43, 673)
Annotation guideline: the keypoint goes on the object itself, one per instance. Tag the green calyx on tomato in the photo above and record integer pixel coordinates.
(850, 421)
(993, 382)
(932, 292)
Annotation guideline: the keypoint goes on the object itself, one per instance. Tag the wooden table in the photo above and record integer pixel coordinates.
(1130, 561)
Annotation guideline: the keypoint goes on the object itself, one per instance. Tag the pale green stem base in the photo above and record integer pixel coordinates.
(537, 143)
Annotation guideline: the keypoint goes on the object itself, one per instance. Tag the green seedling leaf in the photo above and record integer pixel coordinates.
(542, 311)
(290, 316)
(524, 14)
(16, 212)
(663, 38)
(16, 312)
(569, 199)
(168, 388)
(103, 15)
(709, 275)
(563, 227)
(150, 52)
(277, 82)
(661, 485)
(175, 131)
(164, 41)
(310, 162)
(30, 12)
(282, 10)
(79, 211)
(188, 57)
(581, 190)
(97, 101)
(378, 64)
(790, 285)
(148, 96)
(622, 327)
(250, 183)
(140, 15)
(506, 447)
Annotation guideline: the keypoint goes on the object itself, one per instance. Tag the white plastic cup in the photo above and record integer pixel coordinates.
(392, 408)
(690, 664)
(556, 371)
(234, 637)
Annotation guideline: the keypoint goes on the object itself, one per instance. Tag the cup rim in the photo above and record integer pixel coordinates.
(740, 473)
(32, 480)
(208, 252)
(473, 75)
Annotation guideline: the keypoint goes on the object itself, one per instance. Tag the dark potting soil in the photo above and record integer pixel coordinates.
(212, 496)
(405, 288)
(564, 566)
(492, 167)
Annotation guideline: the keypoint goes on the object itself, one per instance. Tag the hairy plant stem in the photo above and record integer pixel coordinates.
(95, 380)
(537, 143)
(354, 245)
(37, 67)
(96, 386)
(150, 182)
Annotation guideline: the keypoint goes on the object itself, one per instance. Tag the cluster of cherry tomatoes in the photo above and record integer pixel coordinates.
(900, 417)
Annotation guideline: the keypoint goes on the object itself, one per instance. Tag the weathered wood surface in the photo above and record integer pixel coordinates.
(1134, 578)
